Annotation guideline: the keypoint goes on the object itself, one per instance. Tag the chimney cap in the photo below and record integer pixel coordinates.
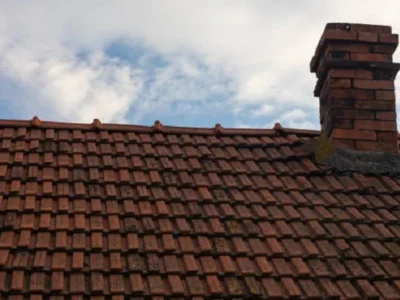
(360, 34)
(359, 27)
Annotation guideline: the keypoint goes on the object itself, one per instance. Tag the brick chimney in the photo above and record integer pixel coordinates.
(355, 86)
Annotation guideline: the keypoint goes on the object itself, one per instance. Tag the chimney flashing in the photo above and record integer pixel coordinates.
(368, 162)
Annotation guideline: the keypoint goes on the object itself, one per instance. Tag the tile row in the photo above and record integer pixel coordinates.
(22, 163)
(143, 220)
(134, 283)
(193, 172)
(197, 175)
(51, 135)
(271, 246)
(47, 149)
(204, 202)
(186, 192)
(223, 264)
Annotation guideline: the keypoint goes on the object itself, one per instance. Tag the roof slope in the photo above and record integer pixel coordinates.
(123, 210)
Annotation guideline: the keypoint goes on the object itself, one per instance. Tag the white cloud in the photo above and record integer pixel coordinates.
(74, 89)
(293, 118)
(253, 52)
(296, 114)
(240, 124)
(182, 86)
(263, 110)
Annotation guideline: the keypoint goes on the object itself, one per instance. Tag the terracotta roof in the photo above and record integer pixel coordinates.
(99, 210)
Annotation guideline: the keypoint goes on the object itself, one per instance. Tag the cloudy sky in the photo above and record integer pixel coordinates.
(189, 63)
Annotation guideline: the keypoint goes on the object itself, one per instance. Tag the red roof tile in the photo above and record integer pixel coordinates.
(185, 212)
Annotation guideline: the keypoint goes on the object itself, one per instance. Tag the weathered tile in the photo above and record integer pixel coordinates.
(145, 213)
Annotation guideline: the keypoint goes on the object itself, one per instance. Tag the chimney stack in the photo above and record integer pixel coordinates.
(355, 86)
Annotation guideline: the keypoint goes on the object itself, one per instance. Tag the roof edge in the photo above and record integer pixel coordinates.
(166, 129)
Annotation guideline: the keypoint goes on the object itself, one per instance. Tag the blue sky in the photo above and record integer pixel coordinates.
(183, 62)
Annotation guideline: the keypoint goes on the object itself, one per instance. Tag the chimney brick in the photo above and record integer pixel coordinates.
(356, 73)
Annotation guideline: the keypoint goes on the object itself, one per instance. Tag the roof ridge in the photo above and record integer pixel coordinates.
(166, 129)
